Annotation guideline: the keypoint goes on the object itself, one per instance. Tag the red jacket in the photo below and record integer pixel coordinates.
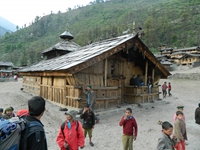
(74, 138)
(129, 126)
(169, 86)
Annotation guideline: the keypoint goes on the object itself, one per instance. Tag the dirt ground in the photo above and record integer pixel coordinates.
(107, 134)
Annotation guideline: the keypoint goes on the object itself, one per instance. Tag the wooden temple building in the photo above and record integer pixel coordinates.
(106, 65)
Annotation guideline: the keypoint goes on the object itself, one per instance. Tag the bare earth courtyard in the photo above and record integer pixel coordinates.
(107, 134)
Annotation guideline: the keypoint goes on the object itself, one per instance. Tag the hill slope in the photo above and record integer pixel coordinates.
(3, 31)
(171, 22)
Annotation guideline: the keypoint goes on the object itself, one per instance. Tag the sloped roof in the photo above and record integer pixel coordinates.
(190, 55)
(189, 48)
(86, 53)
(7, 64)
(166, 49)
(64, 45)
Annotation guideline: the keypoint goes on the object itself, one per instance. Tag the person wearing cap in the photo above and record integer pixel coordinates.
(22, 113)
(7, 113)
(1, 114)
(197, 115)
(71, 136)
(88, 122)
(91, 99)
(180, 131)
(180, 108)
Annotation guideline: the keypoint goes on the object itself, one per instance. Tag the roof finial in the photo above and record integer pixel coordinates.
(66, 35)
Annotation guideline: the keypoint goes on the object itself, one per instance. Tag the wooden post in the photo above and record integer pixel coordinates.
(65, 91)
(106, 72)
(146, 72)
(153, 74)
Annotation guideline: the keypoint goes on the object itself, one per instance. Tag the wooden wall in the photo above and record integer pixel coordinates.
(109, 78)
(32, 84)
(54, 89)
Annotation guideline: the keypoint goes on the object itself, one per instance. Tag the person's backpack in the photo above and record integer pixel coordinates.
(10, 133)
(30, 128)
(14, 133)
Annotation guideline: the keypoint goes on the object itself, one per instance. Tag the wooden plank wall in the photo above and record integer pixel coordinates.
(32, 84)
(53, 89)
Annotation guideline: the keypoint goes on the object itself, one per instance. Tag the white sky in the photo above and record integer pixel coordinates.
(22, 12)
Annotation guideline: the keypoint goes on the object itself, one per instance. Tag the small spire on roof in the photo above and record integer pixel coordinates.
(66, 35)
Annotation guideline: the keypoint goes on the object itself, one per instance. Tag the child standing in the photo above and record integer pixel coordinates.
(166, 142)
(130, 129)
(164, 89)
(180, 131)
(180, 108)
(169, 89)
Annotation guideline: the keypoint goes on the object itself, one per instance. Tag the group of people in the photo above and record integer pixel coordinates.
(164, 89)
(72, 133)
(178, 141)
(137, 82)
(7, 113)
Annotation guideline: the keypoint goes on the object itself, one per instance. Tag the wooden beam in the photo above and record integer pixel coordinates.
(151, 57)
(106, 72)
(46, 73)
(153, 75)
(146, 72)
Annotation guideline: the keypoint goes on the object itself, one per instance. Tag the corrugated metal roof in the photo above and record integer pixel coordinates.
(8, 64)
(64, 45)
(77, 57)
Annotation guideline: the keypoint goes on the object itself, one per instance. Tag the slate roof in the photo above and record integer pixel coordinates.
(189, 48)
(64, 45)
(7, 64)
(82, 55)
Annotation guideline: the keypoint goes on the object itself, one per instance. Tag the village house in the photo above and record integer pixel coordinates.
(184, 56)
(107, 65)
(5, 69)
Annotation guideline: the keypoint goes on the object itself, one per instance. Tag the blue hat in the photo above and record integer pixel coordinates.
(1, 109)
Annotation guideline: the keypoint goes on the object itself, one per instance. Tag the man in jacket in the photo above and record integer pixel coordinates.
(71, 135)
(197, 115)
(91, 99)
(88, 122)
(130, 129)
(36, 139)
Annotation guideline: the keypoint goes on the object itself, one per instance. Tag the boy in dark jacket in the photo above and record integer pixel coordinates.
(88, 122)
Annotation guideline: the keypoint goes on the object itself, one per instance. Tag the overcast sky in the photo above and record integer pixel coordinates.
(22, 12)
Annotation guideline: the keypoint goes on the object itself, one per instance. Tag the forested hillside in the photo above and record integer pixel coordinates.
(172, 22)
(3, 31)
